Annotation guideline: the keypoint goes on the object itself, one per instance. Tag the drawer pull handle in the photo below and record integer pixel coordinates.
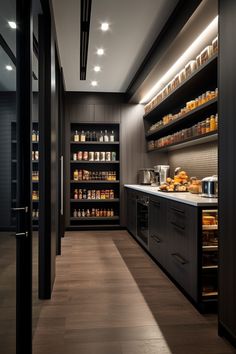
(180, 259)
(178, 211)
(156, 238)
(178, 226)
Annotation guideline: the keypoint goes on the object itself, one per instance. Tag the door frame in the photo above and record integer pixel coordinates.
(24, 36)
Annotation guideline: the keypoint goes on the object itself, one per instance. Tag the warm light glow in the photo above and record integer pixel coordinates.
(94, 83)
(97, 69)
(104, 26)
(178, 65)
(100, 51)
(9, 67)
(12, 24)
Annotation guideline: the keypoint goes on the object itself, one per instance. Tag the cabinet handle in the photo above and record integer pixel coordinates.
(178, 226)
(178, 211)
(179, 258)
(156, 238)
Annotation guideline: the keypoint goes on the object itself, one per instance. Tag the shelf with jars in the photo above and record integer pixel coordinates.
(95, 145)
(209, 253)
(189, 101)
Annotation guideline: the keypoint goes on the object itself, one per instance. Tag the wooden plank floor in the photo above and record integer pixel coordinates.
(110, 298)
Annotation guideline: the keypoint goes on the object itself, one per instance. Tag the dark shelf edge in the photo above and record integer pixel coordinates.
(181, 119)
(94, 181)
(106, 162)
(191, 142)
(94, 219)
(202, 67)
(94, 143)
(116, 200)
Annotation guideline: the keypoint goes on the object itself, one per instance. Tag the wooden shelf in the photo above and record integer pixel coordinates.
(186, 118)
(210, 248)
(95, 200)
(93, 162)
(210, 267)
(94, 143)
(94, 181)
(209, 227)
(213, 136)
(212, 293)
(187, 89)
(95, 218)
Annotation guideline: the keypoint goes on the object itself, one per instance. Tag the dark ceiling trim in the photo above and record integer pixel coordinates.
(85, 15)
(7, 50)
(178, 18)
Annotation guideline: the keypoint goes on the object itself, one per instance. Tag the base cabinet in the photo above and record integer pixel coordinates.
(182, 243)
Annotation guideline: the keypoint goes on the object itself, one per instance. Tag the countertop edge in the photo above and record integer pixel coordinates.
(206, 202)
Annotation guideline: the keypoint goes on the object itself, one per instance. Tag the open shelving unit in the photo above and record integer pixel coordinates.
(202, 80)
(35, 167)
(93, 222)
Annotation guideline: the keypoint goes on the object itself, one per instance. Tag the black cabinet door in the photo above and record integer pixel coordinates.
(183, 245)
(158, 237)
(132, 212)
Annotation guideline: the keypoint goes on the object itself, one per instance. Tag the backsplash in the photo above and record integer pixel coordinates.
(199, 161)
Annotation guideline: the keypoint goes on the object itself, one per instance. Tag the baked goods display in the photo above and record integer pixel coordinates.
(179, 183)
(190, 105)
(187, 71)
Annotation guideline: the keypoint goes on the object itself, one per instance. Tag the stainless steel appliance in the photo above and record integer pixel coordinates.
(210, 187)
(162, 172)
(146, 176)
(142, 219)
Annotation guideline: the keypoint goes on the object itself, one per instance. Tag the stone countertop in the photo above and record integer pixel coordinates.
(182, 197)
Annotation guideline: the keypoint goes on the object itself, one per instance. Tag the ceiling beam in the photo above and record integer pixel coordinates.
(85, 15)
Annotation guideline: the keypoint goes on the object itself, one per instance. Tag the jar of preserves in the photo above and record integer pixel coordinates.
(208, 128)
(98, 194)
(102, 156)
(85, 155)
(212, 123)
(216, 121)
(108, 156)
(76, 175)
(74, 156)
(96, 156)
(80, 155)
(91, 156)
(203, 127)
(111, 194)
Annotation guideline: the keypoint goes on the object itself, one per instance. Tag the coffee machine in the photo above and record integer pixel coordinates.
(161, 173)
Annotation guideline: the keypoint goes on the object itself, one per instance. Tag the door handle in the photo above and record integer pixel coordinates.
(62, 181)
(21, 235)
(156, 238)
(178, 226)
(179, 258)
(25, 209)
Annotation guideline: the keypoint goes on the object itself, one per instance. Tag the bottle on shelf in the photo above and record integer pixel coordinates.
(212, 123)
(79, 213)
(83, 213)
(216, 121)
(106, 137)
(75, 214)
(37, 214)
(76, 175)
(112, 213)
(87, 136)
(76, 195)
(76, 136)
(112, 136)
(94, 136)
(82, 136)
(101, 137)
(108, 213)
(37, 136)
(34, 136)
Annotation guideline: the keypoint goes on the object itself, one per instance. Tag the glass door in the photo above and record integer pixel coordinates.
(15, 179)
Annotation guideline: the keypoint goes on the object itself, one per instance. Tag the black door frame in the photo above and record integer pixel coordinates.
(24, 35)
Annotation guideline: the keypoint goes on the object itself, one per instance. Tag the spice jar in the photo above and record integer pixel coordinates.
(203, 127)
(76, 175)
(102, 156)
(108, 156)
(96, 156)
(91, 156)
(85, 155)
(212, 123)
(80, 155)
(208, 125)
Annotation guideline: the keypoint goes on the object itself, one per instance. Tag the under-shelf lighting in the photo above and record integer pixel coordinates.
(9, 67)
(104, 26)
(178, 65)
(100, 51)
(12, 24)
(94, 83)
(97, 68)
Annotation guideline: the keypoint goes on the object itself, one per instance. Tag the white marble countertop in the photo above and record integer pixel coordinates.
(187, 198)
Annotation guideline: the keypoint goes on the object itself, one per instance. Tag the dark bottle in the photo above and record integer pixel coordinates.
(87, 138)
(94, 137)
(84, 194)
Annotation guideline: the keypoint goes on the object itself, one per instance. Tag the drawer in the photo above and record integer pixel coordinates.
(183, 270)
(157, 248)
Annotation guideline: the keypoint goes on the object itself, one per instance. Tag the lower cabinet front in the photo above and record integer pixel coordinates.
(175, 241)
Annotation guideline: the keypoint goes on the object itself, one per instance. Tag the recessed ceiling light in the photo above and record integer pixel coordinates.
(105, 26)
(9, 67)
(12, 24)
(94, 83)
(97, 68)
(100, 51)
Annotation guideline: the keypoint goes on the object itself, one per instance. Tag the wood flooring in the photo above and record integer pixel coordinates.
(111, 298)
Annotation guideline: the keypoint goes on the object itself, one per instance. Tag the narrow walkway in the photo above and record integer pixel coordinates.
(110, 298)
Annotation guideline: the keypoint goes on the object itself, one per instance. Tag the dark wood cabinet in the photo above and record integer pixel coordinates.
(132, 211)
(182, 244)
(158, 235)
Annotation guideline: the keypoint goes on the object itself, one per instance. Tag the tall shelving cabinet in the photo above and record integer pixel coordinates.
(95, 191)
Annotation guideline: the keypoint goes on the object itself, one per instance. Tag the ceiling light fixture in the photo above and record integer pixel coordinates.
(100, 51)
(104, 26)
(9, 67)
(177, 66)
(12, 24)
(97, 68)
(94, 83)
